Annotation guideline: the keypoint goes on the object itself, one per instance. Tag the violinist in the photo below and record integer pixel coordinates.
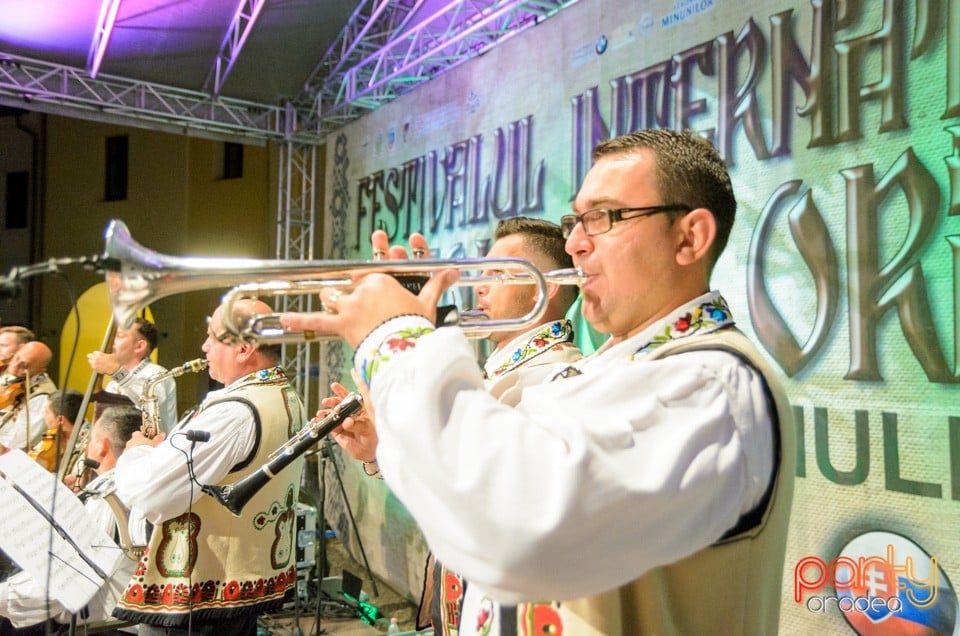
(12, 337)
(22, 425)
(61, 413)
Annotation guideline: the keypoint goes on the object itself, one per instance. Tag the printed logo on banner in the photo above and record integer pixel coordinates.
(884, 584)
(645, 23)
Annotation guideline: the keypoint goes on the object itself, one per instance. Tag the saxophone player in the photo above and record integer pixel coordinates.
(129, 367)
(205, 569)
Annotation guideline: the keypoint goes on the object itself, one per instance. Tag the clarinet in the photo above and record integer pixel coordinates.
(236, 495)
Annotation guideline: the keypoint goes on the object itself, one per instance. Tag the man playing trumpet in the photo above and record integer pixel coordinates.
(550, 342)
(650, 484)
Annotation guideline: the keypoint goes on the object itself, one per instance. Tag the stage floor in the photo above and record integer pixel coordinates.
(337, 618)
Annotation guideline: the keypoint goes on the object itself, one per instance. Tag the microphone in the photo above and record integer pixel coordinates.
(91, 463)
(10, 288)
(11, 285)
(195, 435)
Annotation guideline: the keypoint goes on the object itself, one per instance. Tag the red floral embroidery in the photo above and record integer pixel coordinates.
(151, 595)
(205, 593)
(453, 588)
(134, 593)
(483, 617)
(683, 323)
(166, 597)
(546, 620)
(400, 344)
(180, 594)
(231, 591)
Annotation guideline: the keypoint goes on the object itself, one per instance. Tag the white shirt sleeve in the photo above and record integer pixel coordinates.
(14, 434)
(588, 482)
(156, 480)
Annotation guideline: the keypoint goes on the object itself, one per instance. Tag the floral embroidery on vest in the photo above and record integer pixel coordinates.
(399, 342)
(553, 334)
(709, 316)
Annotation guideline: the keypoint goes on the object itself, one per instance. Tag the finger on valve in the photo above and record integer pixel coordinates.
(380, 243)
(418, 246)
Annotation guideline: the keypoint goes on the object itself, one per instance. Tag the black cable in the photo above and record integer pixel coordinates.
(193, 480)
(71, 296)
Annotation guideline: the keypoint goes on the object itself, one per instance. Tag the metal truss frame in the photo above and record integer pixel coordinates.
(244, 18)
(383, 52)
(404, 58)
(296, 222)
(69, 91)
(101, 35)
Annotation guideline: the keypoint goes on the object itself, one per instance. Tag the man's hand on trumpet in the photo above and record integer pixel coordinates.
(374, 299)
(380, 243)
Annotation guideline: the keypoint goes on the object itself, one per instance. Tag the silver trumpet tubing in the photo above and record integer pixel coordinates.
(149, 403)
(236, 495)
(136, 276)
(266, 328)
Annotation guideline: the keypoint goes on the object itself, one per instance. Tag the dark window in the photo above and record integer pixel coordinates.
(115, 184)
(18, 200)
(232, 160)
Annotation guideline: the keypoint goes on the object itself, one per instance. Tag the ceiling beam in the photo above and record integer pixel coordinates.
(371, 25)
(65, 90)
(101, 35)
(244, 17)
(459, 31)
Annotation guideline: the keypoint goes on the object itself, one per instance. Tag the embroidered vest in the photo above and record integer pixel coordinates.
(730, 587)
(209, 562)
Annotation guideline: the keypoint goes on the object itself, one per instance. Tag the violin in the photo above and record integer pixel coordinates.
(11, 390)
(45, 451)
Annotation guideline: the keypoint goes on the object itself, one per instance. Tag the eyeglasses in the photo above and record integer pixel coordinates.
(600, 221)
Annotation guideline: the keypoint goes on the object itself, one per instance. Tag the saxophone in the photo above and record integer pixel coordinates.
(149, 404)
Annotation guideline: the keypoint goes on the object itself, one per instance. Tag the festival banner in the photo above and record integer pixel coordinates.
(840, 123)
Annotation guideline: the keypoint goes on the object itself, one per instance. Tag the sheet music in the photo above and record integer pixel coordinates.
(54, 560)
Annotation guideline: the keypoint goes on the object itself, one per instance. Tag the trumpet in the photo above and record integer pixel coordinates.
(136, 276)
(236, 495)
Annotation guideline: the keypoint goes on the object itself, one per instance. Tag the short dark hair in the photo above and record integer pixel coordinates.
(119, 423)
(66, 403)
(148, 331)
(543, 238)
(690, 171)
(23, 334)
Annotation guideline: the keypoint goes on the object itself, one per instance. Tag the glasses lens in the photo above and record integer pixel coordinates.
(567, 223)
(596, 222)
